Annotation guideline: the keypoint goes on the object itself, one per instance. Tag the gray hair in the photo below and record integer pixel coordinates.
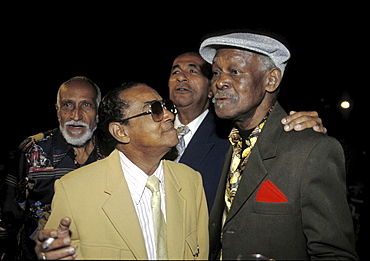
(86, 80)
(266, 62)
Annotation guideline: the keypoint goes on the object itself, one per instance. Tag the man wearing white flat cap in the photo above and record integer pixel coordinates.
(281, 195)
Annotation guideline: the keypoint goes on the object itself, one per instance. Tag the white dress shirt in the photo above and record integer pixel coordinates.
(141, 197)
(193, 126)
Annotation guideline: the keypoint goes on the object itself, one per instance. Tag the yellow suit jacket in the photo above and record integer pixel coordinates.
(104, 221)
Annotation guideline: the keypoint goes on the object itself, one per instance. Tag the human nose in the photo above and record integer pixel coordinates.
(181, 77)
(167, 115)
(76, 114)
(223, 82)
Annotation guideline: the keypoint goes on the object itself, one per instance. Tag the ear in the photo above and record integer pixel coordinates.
(118, 132)
(273, 79)
(210, 94)
(57, 109)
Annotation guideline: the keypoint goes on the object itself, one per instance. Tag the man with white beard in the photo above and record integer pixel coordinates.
(46, 157)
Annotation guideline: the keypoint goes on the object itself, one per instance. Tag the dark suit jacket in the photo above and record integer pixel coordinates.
(306, 170)
(206, 153)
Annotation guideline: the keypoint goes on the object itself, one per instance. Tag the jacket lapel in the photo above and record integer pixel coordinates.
(252, 176)
(175, 214)
(199, 145)
(255, 171)
(120, 209)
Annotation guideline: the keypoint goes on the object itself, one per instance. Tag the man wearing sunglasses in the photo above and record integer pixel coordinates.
(111, 217)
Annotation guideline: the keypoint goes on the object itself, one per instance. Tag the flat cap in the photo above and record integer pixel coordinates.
(265, 45)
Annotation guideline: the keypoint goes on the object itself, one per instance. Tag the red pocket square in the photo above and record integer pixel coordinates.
(268, 192)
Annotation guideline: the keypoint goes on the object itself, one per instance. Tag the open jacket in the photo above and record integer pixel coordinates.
(205, 153)
(291, 200)
(104, 221)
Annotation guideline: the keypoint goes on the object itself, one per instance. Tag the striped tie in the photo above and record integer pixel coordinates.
(181, 132)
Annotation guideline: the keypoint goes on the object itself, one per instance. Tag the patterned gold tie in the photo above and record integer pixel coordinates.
(159, 223)
(181, 132)
(239, 159)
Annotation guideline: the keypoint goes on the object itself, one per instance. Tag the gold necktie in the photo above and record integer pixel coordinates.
(239, 159)
(159, 223)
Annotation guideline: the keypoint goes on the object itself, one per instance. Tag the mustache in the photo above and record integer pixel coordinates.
(79, 123)
(224, 95)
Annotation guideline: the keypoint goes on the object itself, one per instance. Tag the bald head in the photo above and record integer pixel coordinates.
(80, 81)
(77, 107)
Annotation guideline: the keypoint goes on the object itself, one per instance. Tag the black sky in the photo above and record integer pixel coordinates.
(42, 49)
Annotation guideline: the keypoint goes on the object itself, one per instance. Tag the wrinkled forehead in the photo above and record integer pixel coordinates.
(77, 91)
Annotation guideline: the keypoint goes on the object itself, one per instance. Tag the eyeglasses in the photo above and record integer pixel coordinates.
(156, 110)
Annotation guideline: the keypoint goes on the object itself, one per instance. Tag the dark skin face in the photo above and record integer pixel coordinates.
(77, 102)
(243, 93)
(189, 89)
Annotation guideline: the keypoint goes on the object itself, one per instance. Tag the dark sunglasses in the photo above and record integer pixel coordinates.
(156, 110)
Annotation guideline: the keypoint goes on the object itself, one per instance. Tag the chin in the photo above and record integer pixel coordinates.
(224, 114)
(77, 140)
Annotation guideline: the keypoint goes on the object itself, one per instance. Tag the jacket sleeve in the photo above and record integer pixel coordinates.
(203, 237)
(60, 209)
(326, 218)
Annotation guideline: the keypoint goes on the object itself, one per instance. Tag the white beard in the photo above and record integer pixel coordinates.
(78, 142)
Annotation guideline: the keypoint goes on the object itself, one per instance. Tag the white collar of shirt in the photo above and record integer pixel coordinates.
(193, 126)
(136, 179)
(141, 197)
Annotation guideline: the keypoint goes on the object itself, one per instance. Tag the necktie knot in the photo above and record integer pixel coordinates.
(153, 184)
(183, 130)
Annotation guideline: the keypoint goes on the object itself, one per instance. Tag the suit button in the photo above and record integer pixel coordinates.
(213, 224)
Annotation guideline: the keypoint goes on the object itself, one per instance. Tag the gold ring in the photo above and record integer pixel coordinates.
(43, 256)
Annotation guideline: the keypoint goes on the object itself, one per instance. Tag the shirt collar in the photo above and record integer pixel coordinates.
(136, 178)
(194, 124)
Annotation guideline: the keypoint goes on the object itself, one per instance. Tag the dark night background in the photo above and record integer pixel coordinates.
(114, 44)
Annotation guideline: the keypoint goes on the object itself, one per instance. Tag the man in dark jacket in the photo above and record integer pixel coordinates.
(206, 142)
(281, 195)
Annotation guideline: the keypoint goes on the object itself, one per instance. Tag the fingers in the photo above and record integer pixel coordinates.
(55, 243)
(59, 249)
(60, 232)
(303, 120)
(67, 253)
(44, 234)
(63, 228)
